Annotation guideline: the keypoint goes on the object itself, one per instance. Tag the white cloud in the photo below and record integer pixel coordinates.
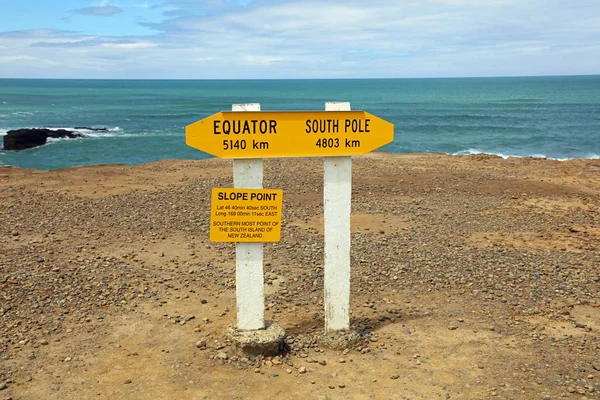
(262, 60)
(308, 38)
(16, 58)
(102, 11)
(136, 45)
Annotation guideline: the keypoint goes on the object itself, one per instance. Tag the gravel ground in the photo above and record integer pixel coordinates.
(495, 260)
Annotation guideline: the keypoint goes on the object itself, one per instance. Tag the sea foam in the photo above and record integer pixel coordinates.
(468, 152)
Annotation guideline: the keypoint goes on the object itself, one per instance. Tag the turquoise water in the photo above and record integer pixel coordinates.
(554, 117)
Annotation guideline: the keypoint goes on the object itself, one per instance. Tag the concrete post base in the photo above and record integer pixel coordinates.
(339, 340)
(265, 342)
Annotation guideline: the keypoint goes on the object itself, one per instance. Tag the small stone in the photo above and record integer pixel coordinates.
(3, 385)
(480, 366)
(341, 385)
(201, 344)
(331, 387)
(222, 355)
(127, 381)
(289, 370)
(68, 359)
(394, 376)
(302, 370)
(312, 382)
(596, 365)
(323, 362)
(44, 342)
(342, 360)
(453, 327)
(203, 301)
(257, 370)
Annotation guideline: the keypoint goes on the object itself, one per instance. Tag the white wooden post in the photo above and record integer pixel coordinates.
(249, 283)
(337, 193)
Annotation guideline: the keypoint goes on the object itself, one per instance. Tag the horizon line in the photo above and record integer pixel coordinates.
(304, 79)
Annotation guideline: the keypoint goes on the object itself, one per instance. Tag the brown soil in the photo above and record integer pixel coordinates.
(472, 278)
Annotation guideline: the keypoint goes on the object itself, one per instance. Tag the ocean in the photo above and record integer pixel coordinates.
(550, 117)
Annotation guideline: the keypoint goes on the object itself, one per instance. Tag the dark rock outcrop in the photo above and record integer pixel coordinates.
(27, 138)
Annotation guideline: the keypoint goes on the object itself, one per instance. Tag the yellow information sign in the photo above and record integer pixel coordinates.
(245, 215)
(258, 134)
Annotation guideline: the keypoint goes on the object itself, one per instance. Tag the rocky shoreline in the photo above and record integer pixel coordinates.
(27, 138)
(472, 277)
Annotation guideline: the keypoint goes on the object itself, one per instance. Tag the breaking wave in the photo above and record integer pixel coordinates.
(467, 152)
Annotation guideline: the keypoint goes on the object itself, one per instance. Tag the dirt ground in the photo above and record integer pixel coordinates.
(472, 278)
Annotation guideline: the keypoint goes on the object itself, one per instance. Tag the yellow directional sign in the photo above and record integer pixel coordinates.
(258, 134)
(246, 215)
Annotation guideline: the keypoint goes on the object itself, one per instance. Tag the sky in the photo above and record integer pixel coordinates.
(276, 39)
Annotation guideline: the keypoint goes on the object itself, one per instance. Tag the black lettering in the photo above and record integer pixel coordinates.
(307, 126)
(272, 126)
(263, 196)
(263, 126)
(238, 196)
(216, 127)
(352, 143)
(226, 127)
